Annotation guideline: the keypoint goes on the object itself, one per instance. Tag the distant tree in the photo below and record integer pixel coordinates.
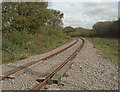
(106, 29)
(68, 29)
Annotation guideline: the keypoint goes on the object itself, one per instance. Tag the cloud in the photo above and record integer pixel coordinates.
(100, 10)
(83, 0)
(85, 14)
(119, 10)
(79, 21)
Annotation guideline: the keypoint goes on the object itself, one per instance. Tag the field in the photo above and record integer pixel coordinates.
(109, 47)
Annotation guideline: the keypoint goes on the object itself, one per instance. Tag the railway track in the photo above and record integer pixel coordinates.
(23, 67)
(61, 66)
(45, 59)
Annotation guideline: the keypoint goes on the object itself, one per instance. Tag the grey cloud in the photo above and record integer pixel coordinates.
(79, 21)
(93, 4)
(100, 10)
(85, 14)
(119, 9)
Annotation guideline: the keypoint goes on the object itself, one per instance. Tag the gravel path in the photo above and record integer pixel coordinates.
(26, 79)
(90, 71)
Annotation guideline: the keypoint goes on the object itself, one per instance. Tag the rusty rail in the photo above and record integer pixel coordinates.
(55, 71)
(23, 67)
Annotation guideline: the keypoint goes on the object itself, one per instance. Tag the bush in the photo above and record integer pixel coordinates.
(17, 45)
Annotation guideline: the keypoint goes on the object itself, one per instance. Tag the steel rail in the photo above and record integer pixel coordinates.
(56, 70)
(23, 67)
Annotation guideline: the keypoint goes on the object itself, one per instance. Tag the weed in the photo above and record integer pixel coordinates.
(112, 74)
(49, 82)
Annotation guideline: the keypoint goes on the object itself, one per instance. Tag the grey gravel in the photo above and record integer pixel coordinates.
(90, 71)
(26, 79)
(8, 67)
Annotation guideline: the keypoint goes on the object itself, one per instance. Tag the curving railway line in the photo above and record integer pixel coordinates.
(62, 65)
(23, 67)
(68, 57)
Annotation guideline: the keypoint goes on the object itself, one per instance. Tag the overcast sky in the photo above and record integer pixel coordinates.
(85, 14)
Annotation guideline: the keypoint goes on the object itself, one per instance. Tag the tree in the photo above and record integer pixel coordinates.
(55, 18)
(28, 16)
(106, 29)
(20, 16)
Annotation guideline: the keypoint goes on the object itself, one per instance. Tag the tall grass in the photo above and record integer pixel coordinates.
(20, 45)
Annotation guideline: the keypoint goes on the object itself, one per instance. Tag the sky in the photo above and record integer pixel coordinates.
(83, 13)
(86, 14)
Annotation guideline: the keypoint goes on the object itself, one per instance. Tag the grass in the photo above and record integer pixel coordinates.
(0, 47)
(17, 46)
(49, 82)
(109, 46)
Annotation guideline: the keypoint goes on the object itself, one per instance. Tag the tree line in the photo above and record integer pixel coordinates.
(30, 28)
(106, 29)
(99, 29)
(28, 16)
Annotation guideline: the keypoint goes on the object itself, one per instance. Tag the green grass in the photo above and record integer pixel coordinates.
(17, 46)
(109, 46)
(0, 47)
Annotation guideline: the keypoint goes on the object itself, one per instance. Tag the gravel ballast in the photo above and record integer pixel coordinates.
(26, 79)
(90, 71)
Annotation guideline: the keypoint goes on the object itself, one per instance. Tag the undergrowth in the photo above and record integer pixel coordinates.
(19, 45)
